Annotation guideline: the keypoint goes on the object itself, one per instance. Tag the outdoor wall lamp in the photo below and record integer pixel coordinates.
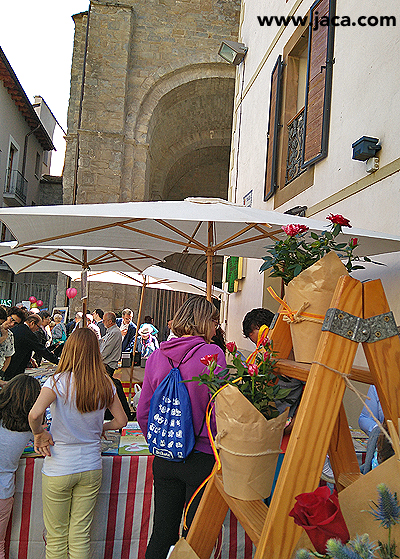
(365, 148)
(232, 52)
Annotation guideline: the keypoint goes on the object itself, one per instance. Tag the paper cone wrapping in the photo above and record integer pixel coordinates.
(182, 550)
(242, 429)
(315, 286)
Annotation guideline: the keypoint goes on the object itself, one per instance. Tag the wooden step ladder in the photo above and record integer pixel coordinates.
(321, 425)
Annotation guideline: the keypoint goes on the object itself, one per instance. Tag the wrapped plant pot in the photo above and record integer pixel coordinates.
(310, 293)
(248, 445)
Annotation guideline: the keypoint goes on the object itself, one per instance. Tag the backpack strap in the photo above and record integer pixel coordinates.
(179, 364)
(188, 351)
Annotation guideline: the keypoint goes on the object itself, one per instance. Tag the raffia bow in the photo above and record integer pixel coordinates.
(294, 317)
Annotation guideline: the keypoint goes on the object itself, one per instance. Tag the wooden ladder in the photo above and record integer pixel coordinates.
(321, 425)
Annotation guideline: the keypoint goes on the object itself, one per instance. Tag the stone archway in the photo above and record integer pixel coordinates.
(183, 125)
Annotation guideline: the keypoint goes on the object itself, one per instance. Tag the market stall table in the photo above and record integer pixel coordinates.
(122, 520)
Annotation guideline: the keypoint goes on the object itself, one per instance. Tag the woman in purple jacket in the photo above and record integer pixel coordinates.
(175, 482)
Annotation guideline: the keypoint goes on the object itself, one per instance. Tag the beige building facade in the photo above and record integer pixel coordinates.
(355, 70)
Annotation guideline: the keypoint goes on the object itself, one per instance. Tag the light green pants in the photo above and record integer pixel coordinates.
(68, 505)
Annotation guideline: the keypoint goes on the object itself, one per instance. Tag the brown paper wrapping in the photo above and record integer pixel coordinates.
(355, 503)
(182, 550)
(314, 286)
(355, 500)
(242, 429)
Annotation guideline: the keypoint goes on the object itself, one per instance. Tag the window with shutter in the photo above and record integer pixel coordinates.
(319, 85)
(273, 131)
(300, 102)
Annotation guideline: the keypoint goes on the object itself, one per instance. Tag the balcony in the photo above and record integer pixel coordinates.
(15, 188)
(295, 147)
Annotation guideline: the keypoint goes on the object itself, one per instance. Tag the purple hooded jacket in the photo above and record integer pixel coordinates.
(157, 368)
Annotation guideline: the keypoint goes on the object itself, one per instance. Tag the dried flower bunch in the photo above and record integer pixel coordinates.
(297, 252)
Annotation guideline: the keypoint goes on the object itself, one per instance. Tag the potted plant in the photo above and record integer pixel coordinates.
(249, 427)
(310, 266)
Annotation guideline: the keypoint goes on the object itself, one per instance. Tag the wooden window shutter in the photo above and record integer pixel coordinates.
(319, 84)
(273, 131)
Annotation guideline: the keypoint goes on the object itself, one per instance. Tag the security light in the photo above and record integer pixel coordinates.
(232, 52)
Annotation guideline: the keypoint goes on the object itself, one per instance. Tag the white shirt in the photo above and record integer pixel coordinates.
(7, 348)
(76, 435)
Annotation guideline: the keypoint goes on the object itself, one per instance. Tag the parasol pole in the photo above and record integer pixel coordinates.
(210, 255)
(84, 288)
(136, 337)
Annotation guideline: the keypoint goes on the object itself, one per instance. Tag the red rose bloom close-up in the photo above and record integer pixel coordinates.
(293, 229)
(353, 242)
(231, 347)
(320, 515)
(209, 359)
(339, 219)
(253, 370)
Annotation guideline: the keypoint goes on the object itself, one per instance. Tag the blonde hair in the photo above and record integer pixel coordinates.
(195, 318)
(81, 356)
(57, 318)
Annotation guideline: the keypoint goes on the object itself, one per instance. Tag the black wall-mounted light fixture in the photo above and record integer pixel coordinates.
(232, 52)
(297, 210)
(365, 148)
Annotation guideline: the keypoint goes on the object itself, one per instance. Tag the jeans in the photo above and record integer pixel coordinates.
(68, 505)
(174, 484)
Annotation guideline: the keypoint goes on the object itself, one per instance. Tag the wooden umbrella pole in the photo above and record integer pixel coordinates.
(136, 338)
(84, 288)
(210, 256)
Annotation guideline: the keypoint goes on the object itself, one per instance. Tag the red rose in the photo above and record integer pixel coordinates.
(320, 515)
(253, 370)
(209, 359)
(293, 230)
(353, 242)
(339, 219)
(231, 347)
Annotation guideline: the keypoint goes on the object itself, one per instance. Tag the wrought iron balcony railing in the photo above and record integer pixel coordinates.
(295, 147)
(16, 186)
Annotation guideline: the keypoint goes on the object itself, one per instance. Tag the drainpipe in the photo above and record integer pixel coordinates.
(26, 149)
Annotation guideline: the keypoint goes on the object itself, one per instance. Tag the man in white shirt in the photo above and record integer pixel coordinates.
(128, 329)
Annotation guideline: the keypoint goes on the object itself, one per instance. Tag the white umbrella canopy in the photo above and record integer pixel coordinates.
(169, 227)
(195, 225)
(76, 259)
(153, 277)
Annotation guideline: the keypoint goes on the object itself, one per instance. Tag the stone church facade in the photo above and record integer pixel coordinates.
(151, 103)
(151, 118)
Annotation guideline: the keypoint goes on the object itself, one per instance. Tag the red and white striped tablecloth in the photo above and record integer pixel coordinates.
(122, 520)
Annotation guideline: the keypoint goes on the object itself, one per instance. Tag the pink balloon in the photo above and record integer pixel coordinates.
(71, 292)
(39, 302)
(32, 299)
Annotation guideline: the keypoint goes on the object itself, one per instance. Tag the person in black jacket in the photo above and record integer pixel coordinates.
(25, 342)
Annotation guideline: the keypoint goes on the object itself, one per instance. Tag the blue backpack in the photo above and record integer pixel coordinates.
(170, 432)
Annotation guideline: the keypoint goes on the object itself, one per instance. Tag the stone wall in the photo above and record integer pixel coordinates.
(137, 53)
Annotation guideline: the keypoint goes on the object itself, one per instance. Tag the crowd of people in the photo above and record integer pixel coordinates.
(86, 360)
